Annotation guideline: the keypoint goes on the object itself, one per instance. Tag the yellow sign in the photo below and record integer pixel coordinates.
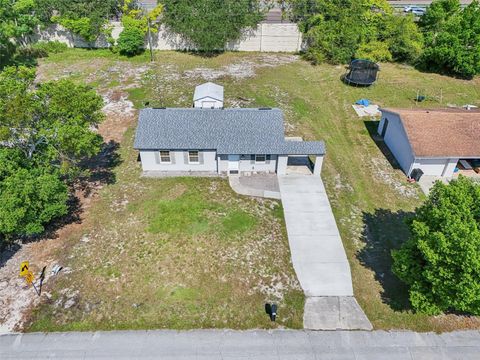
(29, 277)
(24, 268)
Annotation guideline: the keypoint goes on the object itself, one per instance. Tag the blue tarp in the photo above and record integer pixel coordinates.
(363, 102)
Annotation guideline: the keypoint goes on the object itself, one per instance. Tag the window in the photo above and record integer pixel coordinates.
(165, 156)
(193, 157)
(260, 158)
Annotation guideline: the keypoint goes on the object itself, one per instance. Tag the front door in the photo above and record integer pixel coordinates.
(233, 164)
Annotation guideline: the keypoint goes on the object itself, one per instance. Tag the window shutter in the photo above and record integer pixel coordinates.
(200, 157)
(157, 157)
(252, 159)
(267, 159)
(185, 157)
(172, 157)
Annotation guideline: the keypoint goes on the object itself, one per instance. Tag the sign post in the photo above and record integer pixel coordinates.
(27, 274)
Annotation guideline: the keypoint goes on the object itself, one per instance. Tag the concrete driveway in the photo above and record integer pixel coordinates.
(318, 256)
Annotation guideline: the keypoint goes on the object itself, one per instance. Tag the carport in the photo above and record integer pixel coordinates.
(301, 157)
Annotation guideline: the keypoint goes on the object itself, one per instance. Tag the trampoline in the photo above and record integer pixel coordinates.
(361, 73)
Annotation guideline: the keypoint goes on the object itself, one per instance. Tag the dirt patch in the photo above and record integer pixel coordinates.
(16, 297)
(120, 115)
(240, 70)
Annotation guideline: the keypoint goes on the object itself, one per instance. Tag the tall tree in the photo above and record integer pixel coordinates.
(17, 21)
(52, 123)
(335, 29)
(45, 132)
(441, 260)
(210, 24)
(452, 38)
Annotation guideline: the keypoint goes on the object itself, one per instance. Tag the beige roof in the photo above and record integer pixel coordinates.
(442, 133)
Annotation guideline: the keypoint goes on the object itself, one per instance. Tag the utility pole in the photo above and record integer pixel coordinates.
(150, 39)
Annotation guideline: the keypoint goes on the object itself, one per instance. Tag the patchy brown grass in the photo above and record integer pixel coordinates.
(173, 253)
(369, 195)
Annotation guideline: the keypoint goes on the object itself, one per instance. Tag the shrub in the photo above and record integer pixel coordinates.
(50, 47)
(375, 51)
(332, 41)
(83, 27)
(441, 261)
(29, 197)
(85, 18)
(405, 41)
(131, 41)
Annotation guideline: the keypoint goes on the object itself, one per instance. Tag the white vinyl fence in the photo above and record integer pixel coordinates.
(283, 37)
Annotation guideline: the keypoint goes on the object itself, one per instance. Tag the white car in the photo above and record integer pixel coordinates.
(415, 10)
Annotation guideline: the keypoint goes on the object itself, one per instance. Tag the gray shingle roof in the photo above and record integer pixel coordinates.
(228, 131)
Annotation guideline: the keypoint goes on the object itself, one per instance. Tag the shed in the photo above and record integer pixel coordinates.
(208, 96)
(434, 141)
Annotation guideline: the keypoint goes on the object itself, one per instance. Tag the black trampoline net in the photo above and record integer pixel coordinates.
(362, 72)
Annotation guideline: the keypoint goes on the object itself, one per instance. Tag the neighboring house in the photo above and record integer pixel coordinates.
(148, 5)
(431, 140)
(216, 142)
(208, 96)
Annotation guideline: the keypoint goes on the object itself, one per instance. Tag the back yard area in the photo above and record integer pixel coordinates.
(189, 253)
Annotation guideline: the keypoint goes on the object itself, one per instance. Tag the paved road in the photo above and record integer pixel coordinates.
(253, 345)
(318, 256)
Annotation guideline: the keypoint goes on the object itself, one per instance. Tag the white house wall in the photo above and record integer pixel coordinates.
(436, 167)
(250, 165)
(247, 165)
(397, 141)
(267, 37)
(179, 162)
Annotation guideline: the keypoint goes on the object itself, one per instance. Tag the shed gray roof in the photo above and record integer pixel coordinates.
(208, 89)
(228, 131)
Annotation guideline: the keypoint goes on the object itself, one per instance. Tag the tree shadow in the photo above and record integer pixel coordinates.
(100, 168)
(384, 231)
(372, 126)
(431, 68)
(8, 252)
(100, 172)
(203, 53)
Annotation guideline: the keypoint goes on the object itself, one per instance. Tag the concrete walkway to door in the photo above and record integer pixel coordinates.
(318, 256)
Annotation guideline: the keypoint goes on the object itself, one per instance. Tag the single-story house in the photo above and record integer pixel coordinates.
(217, 142)
(208, 96)
(433, 141)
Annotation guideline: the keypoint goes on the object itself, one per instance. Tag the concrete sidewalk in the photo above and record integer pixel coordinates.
(253, 345)
(318, 256)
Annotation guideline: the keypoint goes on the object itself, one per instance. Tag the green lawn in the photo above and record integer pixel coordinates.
(369, 195)
(174, 253)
